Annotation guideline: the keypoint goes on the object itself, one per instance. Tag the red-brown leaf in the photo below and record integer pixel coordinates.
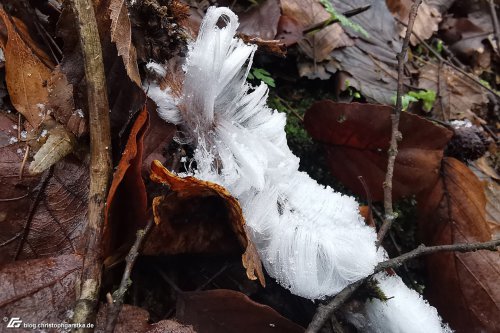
(216, 311)
(356, 138)
(127, 199)
(463, 286)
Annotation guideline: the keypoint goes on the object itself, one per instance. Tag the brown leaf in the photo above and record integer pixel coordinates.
(135, 319)
(44, 215)
(316, 46)
(196, 216)
(230, 311)
(426, 22)
(121, 34)
(463, 286)
(158, 137)
(62, 103)
(261, 20)
(40, 290)
(27, 70)
(461, 98)
(127, 199)
(356, 137)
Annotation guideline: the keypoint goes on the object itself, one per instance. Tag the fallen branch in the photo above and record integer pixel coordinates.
(100, 161)
(116, 305)
(324, 312)
(396, 135)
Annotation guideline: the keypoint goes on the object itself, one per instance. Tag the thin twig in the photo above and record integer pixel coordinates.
(329, 21)
(324, 312)
(100, 161)
(494, 18)
(39, 190)
(116, 306)
(425, 250)
(395, 133)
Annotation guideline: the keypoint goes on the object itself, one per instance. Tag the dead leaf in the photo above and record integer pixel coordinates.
(461, 98)
(121, 35)
(316, 46)
(126, 204)
(44, 215)
(463, 286)
(196, 216)
(356, 138)
(62, 103)
(135, 319)
(261, 20)
(426, 22)
(371, 61)
(27, 70)
(158, 137)
(40, 290)
(216, 311)
(467, 36)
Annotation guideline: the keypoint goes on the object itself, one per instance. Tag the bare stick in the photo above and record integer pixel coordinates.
(395, 133)
(494, 18)
(100, 161)
(324, 312)
(116, 306)
(425, 250)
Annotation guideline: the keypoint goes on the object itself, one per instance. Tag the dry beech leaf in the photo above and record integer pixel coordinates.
(44, 215)
(121, 34)
(356, 138)
(40, 290)
(316, 46)
(62, 103)
(126, 204)
(461, 98)
(216, 311)
(426, 22)
(135, 319)
(196, 216)
(463, 286)
(27, 70)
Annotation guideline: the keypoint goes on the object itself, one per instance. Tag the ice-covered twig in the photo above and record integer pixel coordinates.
(324, 312)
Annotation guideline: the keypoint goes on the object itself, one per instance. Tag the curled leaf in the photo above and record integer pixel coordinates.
(198, 216)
